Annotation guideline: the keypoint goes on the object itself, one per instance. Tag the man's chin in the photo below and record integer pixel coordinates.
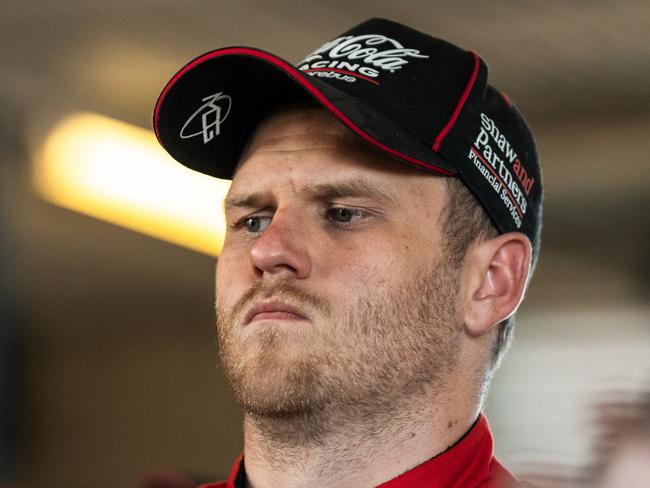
(275, 409)
(278, 388)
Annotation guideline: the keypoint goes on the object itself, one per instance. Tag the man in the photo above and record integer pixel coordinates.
(383, 222)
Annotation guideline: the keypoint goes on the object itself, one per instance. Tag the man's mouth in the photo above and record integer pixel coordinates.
(273, 310)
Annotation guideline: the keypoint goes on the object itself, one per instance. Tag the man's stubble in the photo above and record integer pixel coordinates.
(389, 346)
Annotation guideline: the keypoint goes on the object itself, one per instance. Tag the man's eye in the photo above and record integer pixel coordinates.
(255, 224)
(342, 214)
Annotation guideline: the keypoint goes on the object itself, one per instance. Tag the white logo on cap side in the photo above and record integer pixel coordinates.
(212, 116)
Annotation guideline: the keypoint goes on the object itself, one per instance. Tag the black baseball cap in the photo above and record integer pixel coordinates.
(423, 101)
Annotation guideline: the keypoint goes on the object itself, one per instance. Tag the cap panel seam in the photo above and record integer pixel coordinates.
(461, 103)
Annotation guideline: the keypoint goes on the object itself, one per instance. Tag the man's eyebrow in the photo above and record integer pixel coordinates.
(248, 200)
(319, 191)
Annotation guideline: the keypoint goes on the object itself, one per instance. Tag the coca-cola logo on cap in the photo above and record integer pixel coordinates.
(362, 57)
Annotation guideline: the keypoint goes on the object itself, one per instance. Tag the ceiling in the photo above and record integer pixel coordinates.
(555, 59)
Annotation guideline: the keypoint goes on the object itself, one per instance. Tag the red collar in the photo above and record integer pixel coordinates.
(470, 463)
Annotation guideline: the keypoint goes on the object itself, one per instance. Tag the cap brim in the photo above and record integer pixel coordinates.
(254, 81)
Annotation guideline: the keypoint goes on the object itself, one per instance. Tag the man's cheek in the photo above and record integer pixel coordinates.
(226, 294)
(229, 272)
(361, 277)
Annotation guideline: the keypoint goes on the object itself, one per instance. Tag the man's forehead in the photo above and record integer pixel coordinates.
(311, 151)
(297, 126)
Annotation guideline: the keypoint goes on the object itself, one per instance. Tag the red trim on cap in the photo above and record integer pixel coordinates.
(297, 76)
(506, 99)
(461, 103)
(342, 71)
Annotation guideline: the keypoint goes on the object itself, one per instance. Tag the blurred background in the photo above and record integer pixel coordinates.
(108, 363)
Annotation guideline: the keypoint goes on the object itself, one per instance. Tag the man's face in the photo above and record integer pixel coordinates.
(332, 286)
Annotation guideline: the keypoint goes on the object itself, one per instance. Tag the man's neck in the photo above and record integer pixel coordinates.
(344, 448)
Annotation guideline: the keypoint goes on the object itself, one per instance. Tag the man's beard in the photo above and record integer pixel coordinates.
(387, 346)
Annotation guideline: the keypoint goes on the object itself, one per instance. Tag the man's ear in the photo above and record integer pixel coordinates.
(495, 273)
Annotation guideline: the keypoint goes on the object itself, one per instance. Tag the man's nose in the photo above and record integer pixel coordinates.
(281, 249)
